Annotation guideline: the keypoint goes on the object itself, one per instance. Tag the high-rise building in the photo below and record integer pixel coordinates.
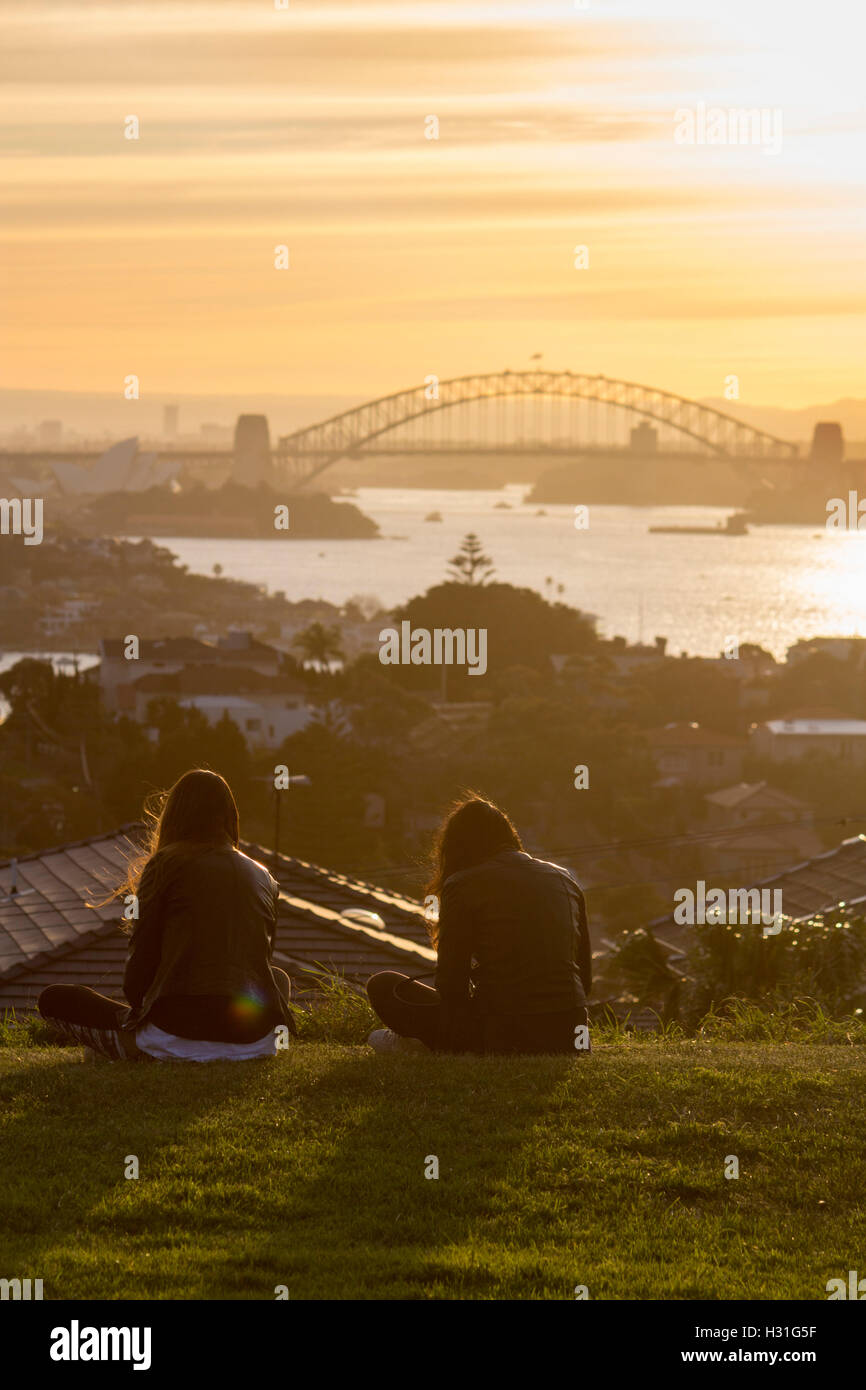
(169, 421)
(252, 450)
(50, 433)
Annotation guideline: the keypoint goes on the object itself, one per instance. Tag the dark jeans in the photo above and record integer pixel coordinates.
(84, 1018)
(413, 1010)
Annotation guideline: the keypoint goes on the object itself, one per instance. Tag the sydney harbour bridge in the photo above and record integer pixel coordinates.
(525, 412)
(529, 412)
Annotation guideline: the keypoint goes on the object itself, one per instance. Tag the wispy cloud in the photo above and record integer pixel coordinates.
(308, 126)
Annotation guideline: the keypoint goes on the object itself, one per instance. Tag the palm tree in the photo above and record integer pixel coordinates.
(320, 644)
(470, 565)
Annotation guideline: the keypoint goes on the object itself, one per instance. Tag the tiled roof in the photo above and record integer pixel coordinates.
(50, 908)
(745, 791)
(316, 885)
(50, 935)
(835, 877)
(188, 649)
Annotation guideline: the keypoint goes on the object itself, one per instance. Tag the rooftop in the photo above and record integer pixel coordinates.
(49, 933)
(815, 885)
(742, 792)
(238, 647)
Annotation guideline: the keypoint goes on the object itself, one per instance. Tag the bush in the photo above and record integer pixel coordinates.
(823, 959)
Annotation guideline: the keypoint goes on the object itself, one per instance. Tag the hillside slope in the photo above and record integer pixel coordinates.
(309, 1171)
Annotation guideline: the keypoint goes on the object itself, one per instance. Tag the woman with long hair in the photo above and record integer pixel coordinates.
(514, 964)
(199, 982)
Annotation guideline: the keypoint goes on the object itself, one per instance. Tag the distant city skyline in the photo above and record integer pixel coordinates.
(95, 416)
(558, 127)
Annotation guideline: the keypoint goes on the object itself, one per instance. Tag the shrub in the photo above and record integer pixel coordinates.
(823, 959)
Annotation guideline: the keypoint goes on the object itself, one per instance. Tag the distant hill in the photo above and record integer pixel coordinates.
(110, 417)
(798, 425)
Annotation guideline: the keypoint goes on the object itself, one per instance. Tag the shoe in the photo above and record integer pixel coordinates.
(384, 1040)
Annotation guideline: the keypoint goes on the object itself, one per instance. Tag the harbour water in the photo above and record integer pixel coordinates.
(773, 587)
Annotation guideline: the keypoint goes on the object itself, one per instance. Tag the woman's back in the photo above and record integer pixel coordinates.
(206, 928)
(523, 920)
(199, 980)
(218, 905)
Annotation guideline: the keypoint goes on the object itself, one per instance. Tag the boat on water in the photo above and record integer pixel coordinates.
(433, 516)
(735, 525)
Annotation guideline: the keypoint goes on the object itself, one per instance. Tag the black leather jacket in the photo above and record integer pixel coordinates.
(513, 938)
(206, 926)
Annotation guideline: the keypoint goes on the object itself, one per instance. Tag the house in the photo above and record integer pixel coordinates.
(66, 615)
(851, 649)
(626, 659)
(57, 928)
(169, 655)
(690, 755)
(784, 740)
(759, 829)
(780, 830)
(266, 709)
(265, 722)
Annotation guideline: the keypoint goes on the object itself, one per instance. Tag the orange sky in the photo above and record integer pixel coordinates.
(411, 256)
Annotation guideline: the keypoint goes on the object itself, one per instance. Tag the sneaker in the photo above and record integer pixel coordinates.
(384, 1040)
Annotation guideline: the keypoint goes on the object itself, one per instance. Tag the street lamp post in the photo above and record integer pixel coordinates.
(300, 780)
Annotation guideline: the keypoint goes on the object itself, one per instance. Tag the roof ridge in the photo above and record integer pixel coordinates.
(71, 844)
(354, 929)
(334, 876)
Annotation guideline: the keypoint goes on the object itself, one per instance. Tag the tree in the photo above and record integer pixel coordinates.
(320, 644)
(521, 628)
(362, 608)
(470, 565)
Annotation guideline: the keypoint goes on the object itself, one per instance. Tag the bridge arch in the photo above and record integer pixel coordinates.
(332, 439)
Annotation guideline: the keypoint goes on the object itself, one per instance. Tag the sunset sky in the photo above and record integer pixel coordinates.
(411, 256)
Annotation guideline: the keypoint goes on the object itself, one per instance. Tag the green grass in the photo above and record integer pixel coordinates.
(308, 1171)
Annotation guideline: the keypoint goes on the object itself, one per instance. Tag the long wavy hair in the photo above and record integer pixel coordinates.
(197, 813)
(473, 829)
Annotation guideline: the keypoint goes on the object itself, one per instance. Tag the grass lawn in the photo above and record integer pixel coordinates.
(308, 1171)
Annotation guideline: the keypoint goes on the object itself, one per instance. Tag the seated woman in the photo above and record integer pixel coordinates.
(514, 965)
(199, 981)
